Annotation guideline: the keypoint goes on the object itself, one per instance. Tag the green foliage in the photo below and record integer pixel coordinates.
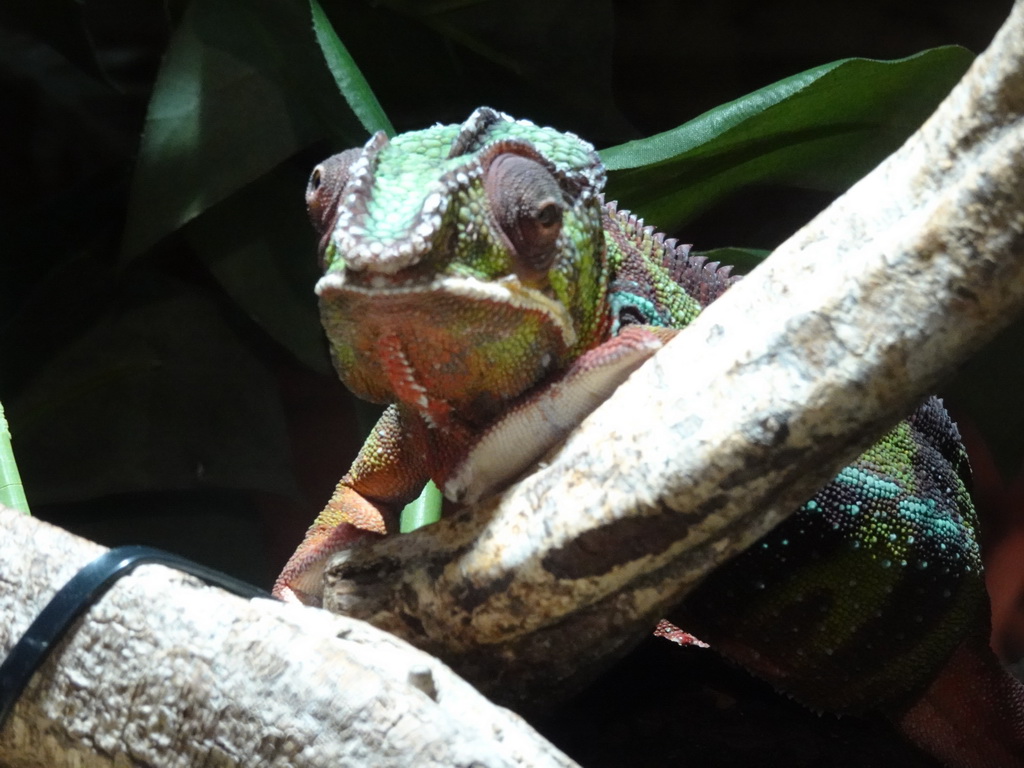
(12, 494)
(742, 259)
(423, 510)
(242, 88)
(155, 290)
(350, 80)
(821, 129)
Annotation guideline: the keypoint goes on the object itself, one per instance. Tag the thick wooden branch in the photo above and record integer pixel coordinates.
(166, 671)
(737, 421)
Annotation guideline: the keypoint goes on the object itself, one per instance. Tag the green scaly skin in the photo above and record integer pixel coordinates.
(473, 272)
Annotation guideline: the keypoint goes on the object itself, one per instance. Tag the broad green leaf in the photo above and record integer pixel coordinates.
(242, 87)
(423, 510)
(821, 129)
(268, 270)
(159, 394)
(349, 79)
(743, 259)
(62, 26)
(12, 494)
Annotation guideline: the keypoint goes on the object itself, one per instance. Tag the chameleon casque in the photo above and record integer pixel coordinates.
(474, 272)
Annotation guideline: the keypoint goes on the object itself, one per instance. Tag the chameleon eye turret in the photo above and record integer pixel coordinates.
(323, 195)
(527, 202)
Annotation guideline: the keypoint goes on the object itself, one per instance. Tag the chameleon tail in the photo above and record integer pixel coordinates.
(972, 714)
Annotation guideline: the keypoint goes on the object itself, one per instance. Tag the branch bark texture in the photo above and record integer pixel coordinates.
(737, 421)
(167, 671)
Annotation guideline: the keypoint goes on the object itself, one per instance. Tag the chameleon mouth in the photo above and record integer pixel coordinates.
(508, 292)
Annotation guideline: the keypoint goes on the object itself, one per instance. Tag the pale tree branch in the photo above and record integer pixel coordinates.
(736, 422)
(166, 671)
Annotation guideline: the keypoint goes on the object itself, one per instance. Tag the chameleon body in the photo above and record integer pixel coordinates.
(476, 281)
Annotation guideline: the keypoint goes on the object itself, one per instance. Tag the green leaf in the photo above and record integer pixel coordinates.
(242, 87)
(424, 510)
(159, 393)
(821, 129)
(63, 27)
(350, 80)
(12, 494)
(742, 259)
(268, 270)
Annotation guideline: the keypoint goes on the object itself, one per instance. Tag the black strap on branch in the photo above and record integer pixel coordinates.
(74, 598)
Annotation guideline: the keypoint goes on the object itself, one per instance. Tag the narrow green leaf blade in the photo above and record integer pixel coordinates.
(12, 493)
(350, 80)
(424, 510)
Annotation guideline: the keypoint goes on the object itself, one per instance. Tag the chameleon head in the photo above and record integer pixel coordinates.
(462, 263)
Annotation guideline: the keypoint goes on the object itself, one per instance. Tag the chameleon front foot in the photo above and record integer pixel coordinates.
(525, 433)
